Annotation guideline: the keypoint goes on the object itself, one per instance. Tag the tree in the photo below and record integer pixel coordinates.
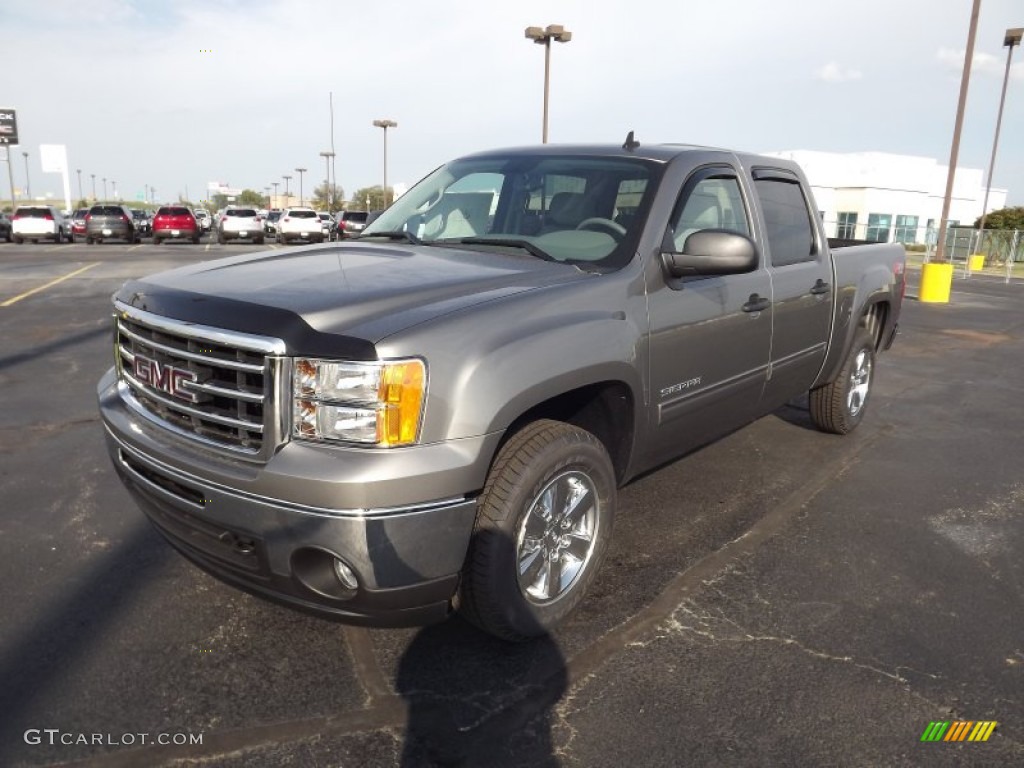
(368, 199)
(320, 197)
(251, 197)
(1004, 218)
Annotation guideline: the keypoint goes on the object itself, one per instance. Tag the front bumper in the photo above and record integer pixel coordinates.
(265, 527)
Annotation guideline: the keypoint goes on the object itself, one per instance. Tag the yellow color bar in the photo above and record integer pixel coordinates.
(26, 294)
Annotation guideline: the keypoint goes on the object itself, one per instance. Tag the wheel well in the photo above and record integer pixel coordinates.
(874, 318)
(604, 409)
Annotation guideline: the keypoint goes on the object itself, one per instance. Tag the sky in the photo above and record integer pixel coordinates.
(175, 95)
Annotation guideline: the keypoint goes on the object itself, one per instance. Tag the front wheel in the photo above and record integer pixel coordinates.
(838, 407)
(543, 524)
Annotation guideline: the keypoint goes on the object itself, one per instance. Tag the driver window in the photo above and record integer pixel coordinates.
(714, 203)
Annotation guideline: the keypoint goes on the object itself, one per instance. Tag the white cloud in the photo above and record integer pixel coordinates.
(983, 63)
(834, 73)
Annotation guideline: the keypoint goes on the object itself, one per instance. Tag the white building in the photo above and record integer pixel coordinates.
(891, 198)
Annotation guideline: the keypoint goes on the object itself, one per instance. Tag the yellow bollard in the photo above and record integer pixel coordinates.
(936, 282)
(977, 262)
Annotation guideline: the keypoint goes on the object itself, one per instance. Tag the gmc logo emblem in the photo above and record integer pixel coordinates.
(166, 378)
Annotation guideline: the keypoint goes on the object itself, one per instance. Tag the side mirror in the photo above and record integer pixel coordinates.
(712, 252)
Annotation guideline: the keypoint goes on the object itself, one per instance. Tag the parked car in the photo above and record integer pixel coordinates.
(143, 222)
(175, 222)
(330, 226)
(78, 224)
(106, 221)
(5, 226)
(38, 222)
(351, 223)
(204, 218)
(438, 418)
(299, 224)
(270, 222)
(239, 224)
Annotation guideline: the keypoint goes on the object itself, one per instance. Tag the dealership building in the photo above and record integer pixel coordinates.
(890, 198)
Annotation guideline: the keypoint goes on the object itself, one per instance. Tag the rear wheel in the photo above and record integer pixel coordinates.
(195, 240)
(156, 240)
(839, 407)
(259, 241)
(543, 524)
(19, 240)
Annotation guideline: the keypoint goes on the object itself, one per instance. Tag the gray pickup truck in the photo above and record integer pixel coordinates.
(436, 415)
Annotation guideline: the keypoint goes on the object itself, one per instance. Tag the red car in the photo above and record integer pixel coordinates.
(175, 222)
(78, 223)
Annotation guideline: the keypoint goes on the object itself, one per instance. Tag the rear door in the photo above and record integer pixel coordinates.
(801, 273)
(709, 336)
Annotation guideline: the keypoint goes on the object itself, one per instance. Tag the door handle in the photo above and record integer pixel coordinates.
(820, 287)
(756, 304)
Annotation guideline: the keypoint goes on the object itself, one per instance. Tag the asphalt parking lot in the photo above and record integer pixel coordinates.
(781, 597)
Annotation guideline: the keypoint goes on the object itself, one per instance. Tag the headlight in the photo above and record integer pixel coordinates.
(370, 403)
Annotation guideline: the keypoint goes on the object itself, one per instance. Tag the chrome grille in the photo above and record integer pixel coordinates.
(215, 386)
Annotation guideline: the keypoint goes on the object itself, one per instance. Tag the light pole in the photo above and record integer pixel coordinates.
(80, 195)
(93, 175)
(28, 181)
(965, 78)
(113, 184)
(385, 124)
(104, 189)
(300, 171)
(287, 195)
(559, 34)
(267, 190)
(327, 155)
(275, 185)
(1012, 39)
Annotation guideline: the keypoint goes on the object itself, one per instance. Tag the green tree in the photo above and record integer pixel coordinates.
(251, 197)
(368, 199)
(1004, 218)
(321, 198)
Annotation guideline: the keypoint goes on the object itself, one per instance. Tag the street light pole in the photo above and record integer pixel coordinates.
(327, 155)
(559, 34)
(104, 189)
(28, 181)
(965, 78)
(114, 185)
(275, 185)
(1011, 40)
(385, 124)
(287, 195)
(80, 195)
(300, 171)
(93, 175)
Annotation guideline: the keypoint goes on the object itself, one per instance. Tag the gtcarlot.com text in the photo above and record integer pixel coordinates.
(55, 736)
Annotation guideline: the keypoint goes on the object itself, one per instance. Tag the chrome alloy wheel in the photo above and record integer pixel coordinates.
(556, 537)
(860, 382)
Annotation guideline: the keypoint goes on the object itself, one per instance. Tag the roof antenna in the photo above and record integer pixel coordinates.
(630, 143)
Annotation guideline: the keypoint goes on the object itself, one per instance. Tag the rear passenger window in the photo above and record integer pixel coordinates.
(787, 221)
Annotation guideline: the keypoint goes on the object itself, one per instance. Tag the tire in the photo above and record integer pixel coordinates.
(18, 240)
(89, 240)
(838, 407)
(156, 240)
(545, 462)
(195, 240)
(258, 241)
(220, 239)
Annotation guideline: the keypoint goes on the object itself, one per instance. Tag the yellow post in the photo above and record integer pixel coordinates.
(977, 262)
(936, 282)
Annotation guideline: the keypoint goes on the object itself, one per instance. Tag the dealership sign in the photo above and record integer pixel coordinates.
(8, 127)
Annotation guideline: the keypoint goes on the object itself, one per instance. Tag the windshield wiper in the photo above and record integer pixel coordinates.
(398, 234)
(524, 245)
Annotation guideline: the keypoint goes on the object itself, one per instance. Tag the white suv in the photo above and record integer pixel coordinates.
(239, 224)
(41, 222)
(301, 224)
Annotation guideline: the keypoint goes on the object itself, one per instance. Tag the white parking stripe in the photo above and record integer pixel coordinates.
(59, 248)
(43, 287)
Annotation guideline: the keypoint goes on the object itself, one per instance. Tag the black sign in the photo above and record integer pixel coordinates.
(8, 127)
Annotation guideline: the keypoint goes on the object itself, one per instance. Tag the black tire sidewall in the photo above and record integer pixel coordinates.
(861, 342)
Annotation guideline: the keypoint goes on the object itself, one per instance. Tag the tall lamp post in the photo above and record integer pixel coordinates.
(93, 175)
(28, 181)
(301, 171)
(104, 188)
(80, 195)
(559, 34)
(113, 185)
(275, 185)
(327, 155)
(385, 124)
(287, 194)
(1010, 41)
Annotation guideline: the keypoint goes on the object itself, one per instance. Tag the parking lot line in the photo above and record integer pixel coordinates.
(43, 287)
(135, 246)
(59, 248)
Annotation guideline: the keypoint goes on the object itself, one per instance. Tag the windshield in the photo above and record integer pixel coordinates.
(574, 208)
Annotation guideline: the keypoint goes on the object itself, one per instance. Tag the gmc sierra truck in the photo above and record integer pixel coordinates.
(436, 416)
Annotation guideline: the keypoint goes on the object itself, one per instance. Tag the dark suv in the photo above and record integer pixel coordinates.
(106, 222)
(351, 223)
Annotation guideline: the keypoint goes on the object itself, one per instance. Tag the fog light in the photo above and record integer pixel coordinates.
(345, 575)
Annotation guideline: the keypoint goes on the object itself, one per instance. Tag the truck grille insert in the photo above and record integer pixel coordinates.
(219, 392)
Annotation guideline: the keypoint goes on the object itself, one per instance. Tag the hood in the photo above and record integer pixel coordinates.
(361, 291)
